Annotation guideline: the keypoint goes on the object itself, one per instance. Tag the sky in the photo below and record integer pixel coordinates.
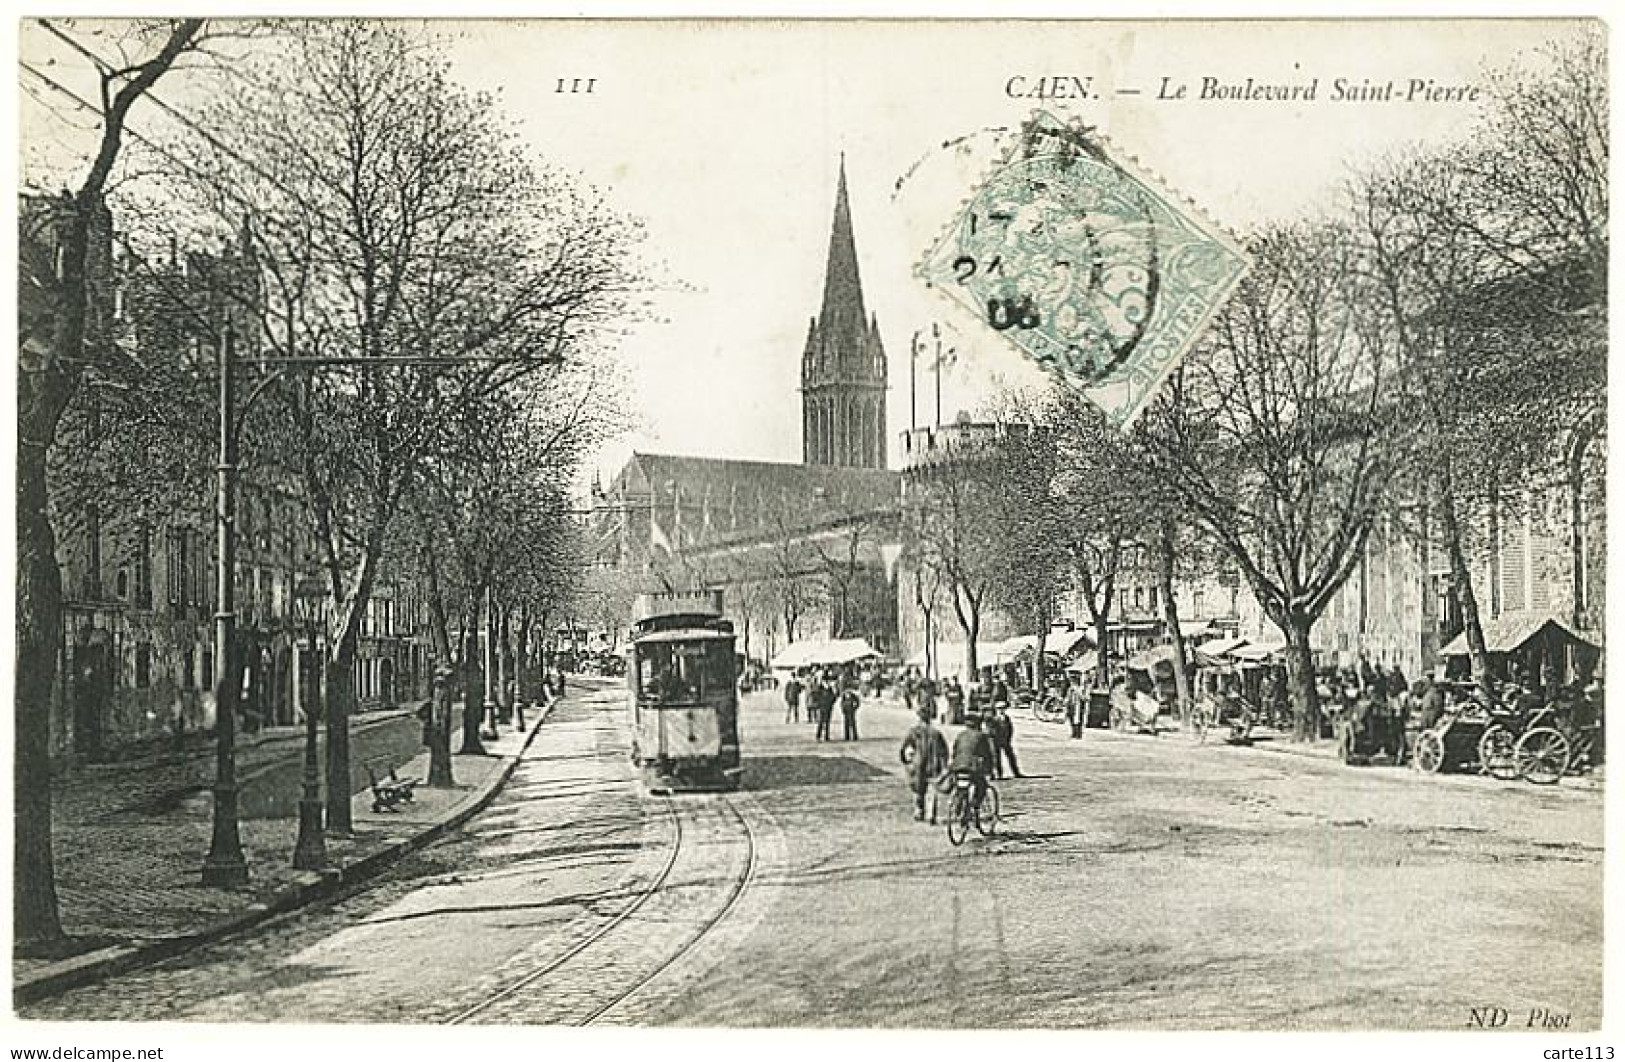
(726, 137)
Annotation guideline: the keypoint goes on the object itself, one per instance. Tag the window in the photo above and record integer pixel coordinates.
(141, 566)
(1153, 598)
(208, 669)
(197, 568)
(685, 672)
(187, 675)
(176, 569)
(143, 666)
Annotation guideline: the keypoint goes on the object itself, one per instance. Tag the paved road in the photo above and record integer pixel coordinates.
(1139, 882)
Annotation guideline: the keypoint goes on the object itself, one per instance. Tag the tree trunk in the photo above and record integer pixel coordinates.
(522, 656)
(969, 611)
(440, 770)
(1300, 674)
(42, 395)
(501, 614)
(35, 921)
(1580, 611)
(341, 696)
(1170, 617)
(1461, 579)
(340, 679)
(1038, 645)
(473, 686)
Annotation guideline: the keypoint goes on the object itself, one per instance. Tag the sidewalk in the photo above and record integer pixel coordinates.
(130, 838)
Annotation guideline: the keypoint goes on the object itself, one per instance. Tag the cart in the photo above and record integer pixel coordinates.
(1452, 744)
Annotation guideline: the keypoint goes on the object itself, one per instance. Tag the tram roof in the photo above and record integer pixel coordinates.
(686, 634)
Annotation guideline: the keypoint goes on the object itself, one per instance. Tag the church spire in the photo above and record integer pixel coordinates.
(842, 317)
(843, 370)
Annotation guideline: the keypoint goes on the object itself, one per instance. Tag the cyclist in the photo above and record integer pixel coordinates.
(973, 756)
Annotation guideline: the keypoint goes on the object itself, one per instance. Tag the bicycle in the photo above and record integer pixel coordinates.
(1048, 709)
(1200, 719)
(964, 813)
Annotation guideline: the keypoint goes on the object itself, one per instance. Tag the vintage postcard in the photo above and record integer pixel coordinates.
(772, 523)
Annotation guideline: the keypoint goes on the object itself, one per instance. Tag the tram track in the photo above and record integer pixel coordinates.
(737, 889)
(620, 937)
(592, 938)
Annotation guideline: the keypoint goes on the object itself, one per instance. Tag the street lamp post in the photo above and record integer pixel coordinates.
(225, 864)
(310, 850)
(490, 661)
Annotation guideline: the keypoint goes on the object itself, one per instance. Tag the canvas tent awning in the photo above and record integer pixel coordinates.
(1511, 633)
(1215, 652)
(1256, 652)
(1194, 628)
(1061, 643)
(1154, 657)
(950, 657)
(821, 654)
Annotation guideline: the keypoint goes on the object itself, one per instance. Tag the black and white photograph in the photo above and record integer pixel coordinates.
(809, 524)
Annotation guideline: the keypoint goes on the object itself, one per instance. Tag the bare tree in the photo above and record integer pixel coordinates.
(400, 229)
(1487, 261)
(958, 514)
(60, 338)
(1280, 434)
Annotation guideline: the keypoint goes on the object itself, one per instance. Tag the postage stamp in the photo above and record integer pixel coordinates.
(1085, 264)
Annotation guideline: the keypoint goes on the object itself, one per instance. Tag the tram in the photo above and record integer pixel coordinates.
(683, 696)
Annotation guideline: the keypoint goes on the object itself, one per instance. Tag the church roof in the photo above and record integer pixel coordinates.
(851, 488)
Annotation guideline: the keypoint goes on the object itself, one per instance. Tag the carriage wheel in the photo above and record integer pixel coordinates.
(1429, 756)
(958, 818)
(1497, 753)
(1542, 756)
(987, 816)
(1049, 709)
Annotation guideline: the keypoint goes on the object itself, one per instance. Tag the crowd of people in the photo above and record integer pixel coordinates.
(1374, 709)
(984, 749)
(816, 692)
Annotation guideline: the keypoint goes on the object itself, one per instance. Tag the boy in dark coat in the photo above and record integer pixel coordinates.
(925, 754)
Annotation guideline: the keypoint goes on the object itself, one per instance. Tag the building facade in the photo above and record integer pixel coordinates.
(137, 658)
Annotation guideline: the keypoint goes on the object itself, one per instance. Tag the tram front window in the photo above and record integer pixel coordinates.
(684, 672)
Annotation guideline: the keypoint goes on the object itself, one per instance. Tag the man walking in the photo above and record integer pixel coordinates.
(925, 754)
(823, 703)
(1077, 708)
(1003, 732)
(849, 714)
(792, 699)
(954, 694)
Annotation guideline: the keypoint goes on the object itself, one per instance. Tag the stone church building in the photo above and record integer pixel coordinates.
(799, 550)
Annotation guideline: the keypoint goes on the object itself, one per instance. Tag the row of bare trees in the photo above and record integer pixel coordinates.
(416, 300)
(1432, 344)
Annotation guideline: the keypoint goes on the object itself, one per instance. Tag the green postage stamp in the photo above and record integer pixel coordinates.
(1085, 264)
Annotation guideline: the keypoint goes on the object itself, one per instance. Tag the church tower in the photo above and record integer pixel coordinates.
(843, 369)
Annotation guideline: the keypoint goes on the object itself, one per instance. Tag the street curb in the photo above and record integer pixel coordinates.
(1577, 787)
(119, 959)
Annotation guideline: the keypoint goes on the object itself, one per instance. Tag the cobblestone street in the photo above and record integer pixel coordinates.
(1137, 882)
